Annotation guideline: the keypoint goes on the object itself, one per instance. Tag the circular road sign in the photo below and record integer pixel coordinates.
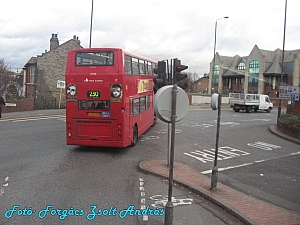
(163, 103)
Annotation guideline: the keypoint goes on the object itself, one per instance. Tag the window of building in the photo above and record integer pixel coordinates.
(268, 81)
(254, 67)
(32, 74)
(216, 72)
(226, 82)
(241, 66)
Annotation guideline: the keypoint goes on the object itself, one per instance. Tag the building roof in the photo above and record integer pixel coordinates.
(32, 60)
(273, 61)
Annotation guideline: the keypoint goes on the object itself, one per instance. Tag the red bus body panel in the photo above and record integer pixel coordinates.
(111, 127)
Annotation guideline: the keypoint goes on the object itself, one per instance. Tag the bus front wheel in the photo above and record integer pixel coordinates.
(135, 136)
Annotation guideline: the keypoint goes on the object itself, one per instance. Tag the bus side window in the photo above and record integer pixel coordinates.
(131, 106)
(127, 64)
(135, 66)
(147, 102)
(146, 67)
(142, 67)
(136, 106)
(142, 104)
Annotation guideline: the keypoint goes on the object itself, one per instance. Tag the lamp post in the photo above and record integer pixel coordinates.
(91, 25)
(214, 61)
(282, 62)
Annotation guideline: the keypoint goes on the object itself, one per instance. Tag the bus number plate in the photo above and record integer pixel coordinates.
(93, 94)
(93, 114)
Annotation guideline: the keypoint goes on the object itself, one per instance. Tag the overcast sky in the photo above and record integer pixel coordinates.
(158, 29)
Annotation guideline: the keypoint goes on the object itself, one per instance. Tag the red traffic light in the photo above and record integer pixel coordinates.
(180, 68)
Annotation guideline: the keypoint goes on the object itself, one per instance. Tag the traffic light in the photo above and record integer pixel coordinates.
(159, 79)
(179, 78)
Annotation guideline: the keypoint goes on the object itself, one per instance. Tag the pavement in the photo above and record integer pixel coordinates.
(248, 209)
(34, 113)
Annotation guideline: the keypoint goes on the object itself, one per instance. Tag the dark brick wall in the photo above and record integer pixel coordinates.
(289, 130)
(21, 105)
(296, 108)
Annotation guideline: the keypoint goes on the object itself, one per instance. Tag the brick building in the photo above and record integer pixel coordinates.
(259, 72)
(42, 72)
(201, 85)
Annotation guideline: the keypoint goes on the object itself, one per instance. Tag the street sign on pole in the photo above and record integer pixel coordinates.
(61, 84)
(290, 93)
(163, 104)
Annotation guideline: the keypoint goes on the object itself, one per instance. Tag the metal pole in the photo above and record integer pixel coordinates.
(169, 206)
(214, 60)
(214, 177)
(91, 27)
(282, 61)
(169, 144)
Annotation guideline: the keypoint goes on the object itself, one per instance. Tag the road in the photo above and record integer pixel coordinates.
(251, 159)
(44, 181)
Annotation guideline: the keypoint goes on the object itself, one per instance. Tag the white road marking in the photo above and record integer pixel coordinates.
(209, 155)
(143, 199)
(161, 201)
(247, 164)
(5, 184)
(256, 120)
(37, 118)
(263, 145)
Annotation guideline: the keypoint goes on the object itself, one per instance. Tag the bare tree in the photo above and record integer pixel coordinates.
(192, 77)
(5, 72)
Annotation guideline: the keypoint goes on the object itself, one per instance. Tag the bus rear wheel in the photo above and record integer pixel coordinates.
(154, 121)
(135, 136)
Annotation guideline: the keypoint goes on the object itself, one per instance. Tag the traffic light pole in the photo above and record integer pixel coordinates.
(169, 206)
(177, 68)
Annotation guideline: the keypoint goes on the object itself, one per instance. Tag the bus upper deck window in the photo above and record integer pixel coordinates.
(94, 58)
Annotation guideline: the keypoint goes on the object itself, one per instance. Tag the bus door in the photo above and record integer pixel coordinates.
(131, 116)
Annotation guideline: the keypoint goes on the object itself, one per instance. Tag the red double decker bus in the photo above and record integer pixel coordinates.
(109, 97)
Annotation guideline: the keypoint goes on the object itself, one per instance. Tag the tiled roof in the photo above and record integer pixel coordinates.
(273, 61)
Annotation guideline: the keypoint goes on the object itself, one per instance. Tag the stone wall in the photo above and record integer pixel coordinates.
(51, 68)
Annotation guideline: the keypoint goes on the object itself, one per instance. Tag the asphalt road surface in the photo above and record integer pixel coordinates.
(44, 181)
(250, 158)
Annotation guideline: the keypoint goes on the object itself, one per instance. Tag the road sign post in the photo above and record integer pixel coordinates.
(61, 85)
(290, 93)
(216, 104)
(165, 107)
(169, 206)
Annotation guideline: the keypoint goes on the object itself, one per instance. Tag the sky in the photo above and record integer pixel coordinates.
(157, 29)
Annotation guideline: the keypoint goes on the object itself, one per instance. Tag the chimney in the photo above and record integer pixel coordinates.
(75, 38)
(54, 42)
